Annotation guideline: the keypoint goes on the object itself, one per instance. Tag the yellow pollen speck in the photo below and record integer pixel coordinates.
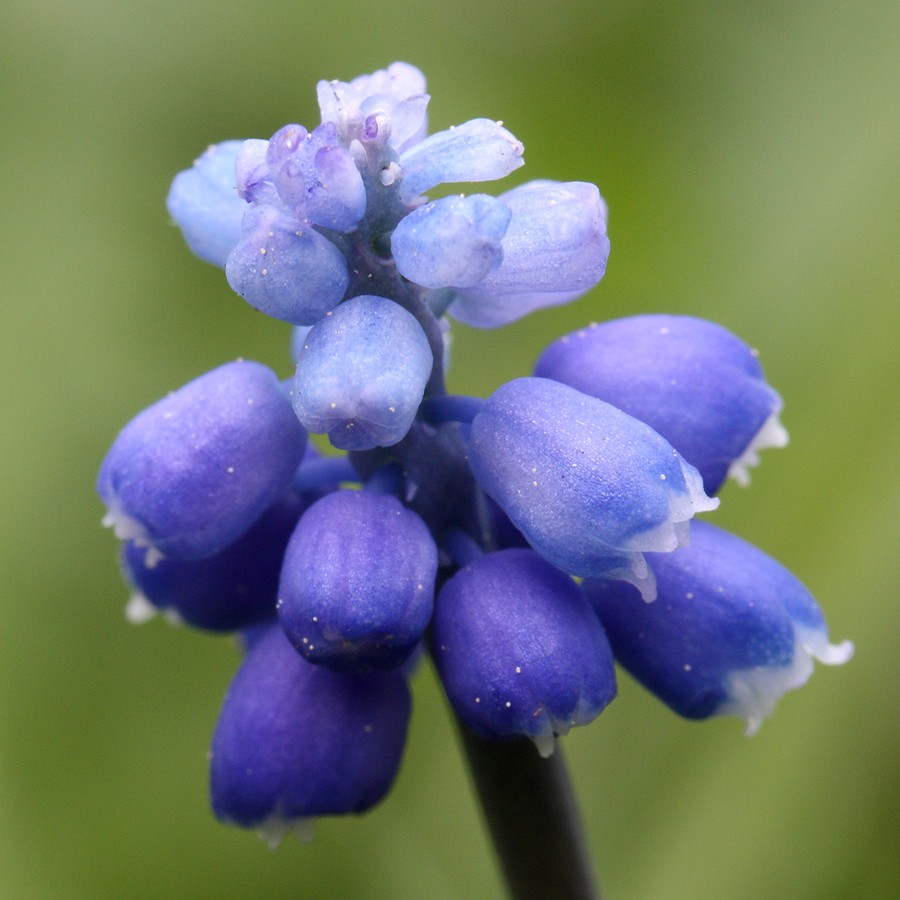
(262, 251)
(662, 477)
(392, 409)
(508, 704)
(518, 670)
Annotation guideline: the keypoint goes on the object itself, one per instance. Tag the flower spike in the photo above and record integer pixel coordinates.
(521, 540)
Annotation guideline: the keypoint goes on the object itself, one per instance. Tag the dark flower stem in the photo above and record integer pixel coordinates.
(530, 810)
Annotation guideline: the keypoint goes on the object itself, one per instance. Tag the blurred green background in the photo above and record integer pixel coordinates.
(749, 154)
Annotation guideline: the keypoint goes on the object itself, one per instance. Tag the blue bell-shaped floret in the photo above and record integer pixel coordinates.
(361, 374)
(295, 741)
(230, 590)
(691, 380)
(519, 650)
(730, 631)
(357, 582)
(590, 487)
(190, 474)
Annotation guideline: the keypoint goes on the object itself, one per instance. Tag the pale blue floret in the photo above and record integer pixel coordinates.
(361, 374)
(386, 108)
(730, 632)
(554, 250)
(205, 205)
(357, 582)
(184, 479)
(519, 649)
(316, 177)
(286, 269)
(478, 150)
(454, 242)
(251, 171)
(590, 487)
(691, 380)
(283, 166)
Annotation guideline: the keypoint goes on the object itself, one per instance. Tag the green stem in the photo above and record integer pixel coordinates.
(530, 810)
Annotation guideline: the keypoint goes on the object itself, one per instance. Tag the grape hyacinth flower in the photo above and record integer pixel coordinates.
(456, 527)
(692, 381)
(519, 649)
(731, 630)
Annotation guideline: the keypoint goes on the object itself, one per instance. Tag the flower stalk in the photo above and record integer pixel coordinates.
(532, 815)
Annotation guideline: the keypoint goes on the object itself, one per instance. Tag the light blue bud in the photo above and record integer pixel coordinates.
(478, 150)
(408, 122)
(254, 180)
(454, 242)
(386, 108)
(205, 205)
(362, 373)
(590, 487)
(286, 269)
(554, 250)
(295, 741)
(357, 582)
(316, 176)
(691, 380)
(519, 649)
(184, 478)
(335, 193)
(730, 631)
(284, 168)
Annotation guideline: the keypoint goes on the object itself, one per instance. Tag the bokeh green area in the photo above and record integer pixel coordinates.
(749, 154)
